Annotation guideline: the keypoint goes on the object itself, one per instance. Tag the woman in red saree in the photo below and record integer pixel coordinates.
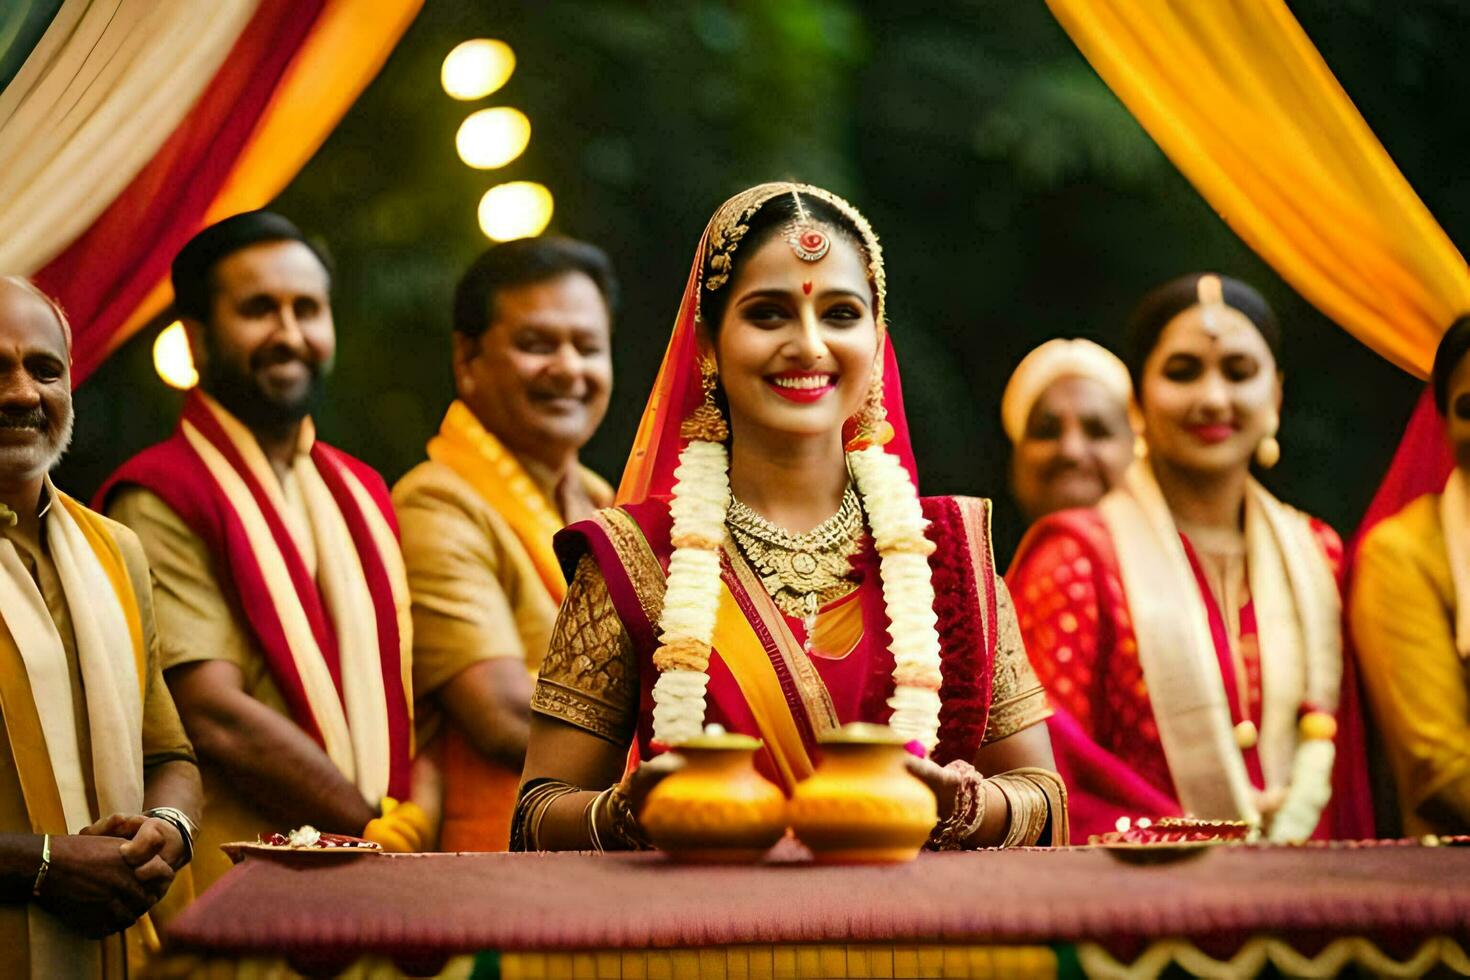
(1188, 627)
(771, 567)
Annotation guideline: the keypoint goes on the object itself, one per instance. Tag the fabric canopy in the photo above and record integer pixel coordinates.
(127, 125)
(1239, 99)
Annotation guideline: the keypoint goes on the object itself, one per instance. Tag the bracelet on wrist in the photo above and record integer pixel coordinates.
(180, 821)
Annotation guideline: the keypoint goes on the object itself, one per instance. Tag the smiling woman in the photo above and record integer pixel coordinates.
(772, 568)
(1187, 627)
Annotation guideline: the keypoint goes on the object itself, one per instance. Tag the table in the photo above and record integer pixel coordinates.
(1396, 909)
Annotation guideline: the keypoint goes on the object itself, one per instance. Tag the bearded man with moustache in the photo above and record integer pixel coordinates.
(99, 794)
(281, 594)
(533, 373)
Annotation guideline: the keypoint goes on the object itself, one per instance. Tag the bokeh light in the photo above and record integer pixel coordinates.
(476, 68)
(520, 209)
(492, 138)
(171, 357)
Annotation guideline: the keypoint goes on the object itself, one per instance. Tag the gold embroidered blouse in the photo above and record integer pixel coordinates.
(590, 675)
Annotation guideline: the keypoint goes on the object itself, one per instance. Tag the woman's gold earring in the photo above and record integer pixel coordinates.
(870, 426)
(1140, 447)
(1268, 451)
(467, 387)
(706, 423)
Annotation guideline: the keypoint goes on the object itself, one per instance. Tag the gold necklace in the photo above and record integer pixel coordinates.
(802, 572)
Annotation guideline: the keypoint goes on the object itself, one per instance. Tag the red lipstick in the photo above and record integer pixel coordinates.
(802, 387)
(1213, 433)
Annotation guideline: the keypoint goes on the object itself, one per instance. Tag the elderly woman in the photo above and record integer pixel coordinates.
(1410, 618)
(772, 567)
(1066, 413)
(1187, 627)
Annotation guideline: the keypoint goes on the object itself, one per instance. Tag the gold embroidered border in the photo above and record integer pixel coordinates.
(578, 708)
(815, 697)
(1015, 714)
(638, 559)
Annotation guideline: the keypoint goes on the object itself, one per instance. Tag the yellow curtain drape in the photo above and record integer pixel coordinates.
(1239, 99)
(106, 85)
(347, 47)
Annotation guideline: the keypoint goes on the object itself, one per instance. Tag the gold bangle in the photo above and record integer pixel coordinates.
(593, 805)
(45, 866)
(552, 793)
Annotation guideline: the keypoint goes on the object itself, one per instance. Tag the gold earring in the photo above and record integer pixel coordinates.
(1140, 447)
(466, 387)
(706, 423)
(870, 426)
(1268, 451)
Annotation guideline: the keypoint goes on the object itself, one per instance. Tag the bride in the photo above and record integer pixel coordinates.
(771, 567)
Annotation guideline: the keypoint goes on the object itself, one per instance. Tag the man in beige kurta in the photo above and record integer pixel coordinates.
(60, 891)
(533, 372)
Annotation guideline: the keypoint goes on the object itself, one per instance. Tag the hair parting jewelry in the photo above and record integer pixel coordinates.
(809, 243)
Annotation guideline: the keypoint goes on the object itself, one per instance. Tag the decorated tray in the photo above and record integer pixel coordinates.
(304, 845)
(1171, 838)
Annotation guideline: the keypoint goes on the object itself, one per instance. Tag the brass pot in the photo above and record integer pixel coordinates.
(862, 805)
(717, 808)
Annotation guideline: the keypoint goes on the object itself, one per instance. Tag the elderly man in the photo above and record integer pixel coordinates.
(533, 371)
(281, 594)
(1067, 411)
(89, 728)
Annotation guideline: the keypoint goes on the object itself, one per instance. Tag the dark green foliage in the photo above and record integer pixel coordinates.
(1016, 198)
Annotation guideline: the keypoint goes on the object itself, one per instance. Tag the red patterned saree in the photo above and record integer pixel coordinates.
(1080, 622)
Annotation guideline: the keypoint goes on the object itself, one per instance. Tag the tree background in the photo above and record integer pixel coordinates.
(1016, 198)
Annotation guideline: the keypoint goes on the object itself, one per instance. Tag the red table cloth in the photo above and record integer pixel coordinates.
(420, 909)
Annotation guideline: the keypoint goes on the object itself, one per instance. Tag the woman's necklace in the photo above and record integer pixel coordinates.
(802, 572)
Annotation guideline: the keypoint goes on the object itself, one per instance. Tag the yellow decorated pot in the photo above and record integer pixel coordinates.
(862, 805)
(717, 808)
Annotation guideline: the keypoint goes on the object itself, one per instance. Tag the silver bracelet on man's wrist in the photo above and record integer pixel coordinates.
(181, 822)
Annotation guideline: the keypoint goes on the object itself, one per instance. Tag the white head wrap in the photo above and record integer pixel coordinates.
(1052, 361)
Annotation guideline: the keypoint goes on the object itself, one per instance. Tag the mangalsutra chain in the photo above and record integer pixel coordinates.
(801, 572)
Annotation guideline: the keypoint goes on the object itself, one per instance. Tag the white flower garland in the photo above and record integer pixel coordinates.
(701, 499)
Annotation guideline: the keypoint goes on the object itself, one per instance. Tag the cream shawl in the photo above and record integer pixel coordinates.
(107, 625)
(1298, 612)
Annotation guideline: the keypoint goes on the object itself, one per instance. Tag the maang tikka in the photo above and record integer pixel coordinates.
(809, 243)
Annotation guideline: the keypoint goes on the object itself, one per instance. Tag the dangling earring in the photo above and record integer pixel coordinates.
(1268, 451)
(466, 387)
(706, 423)
(870, 426)
(1140, 447)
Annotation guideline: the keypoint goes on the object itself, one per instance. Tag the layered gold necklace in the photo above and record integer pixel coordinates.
(801, 572)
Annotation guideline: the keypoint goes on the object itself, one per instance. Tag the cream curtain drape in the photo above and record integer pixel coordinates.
(106, 85)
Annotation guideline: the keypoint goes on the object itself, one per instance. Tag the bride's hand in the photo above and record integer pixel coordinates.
(641, 781)
(944, 783)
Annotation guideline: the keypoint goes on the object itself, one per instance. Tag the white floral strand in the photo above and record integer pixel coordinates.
(898, 525)
(1310, 789)
(701, 498)
(701, 501)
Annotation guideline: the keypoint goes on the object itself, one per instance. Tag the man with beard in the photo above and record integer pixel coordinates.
(533, 373)
(99, 794)
(281, 594)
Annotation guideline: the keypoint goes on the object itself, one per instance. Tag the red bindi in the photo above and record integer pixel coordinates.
(806, 287)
